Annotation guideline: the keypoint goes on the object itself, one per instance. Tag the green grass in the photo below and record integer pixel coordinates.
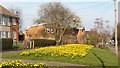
(95, 57)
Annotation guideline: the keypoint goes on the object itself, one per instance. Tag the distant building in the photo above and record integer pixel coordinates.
(41, 31)
(9, 24)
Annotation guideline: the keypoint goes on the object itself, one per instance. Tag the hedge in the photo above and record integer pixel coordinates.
(6, 43)
(43, 42)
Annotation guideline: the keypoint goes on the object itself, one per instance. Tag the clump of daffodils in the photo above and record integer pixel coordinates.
(68, 50)
(20, 64)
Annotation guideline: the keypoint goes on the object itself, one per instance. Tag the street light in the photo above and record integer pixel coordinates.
(115, 22)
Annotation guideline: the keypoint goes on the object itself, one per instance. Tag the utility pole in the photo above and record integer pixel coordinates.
(115, 25)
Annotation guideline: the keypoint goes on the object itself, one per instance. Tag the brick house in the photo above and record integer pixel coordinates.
(41, 31)
(9, 24)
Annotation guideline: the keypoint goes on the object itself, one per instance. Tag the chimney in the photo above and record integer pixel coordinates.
(17, 13)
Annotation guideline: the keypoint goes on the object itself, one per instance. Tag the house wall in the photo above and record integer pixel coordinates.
(36, 32)
(4, 28)
(9, 27)
(80, 36)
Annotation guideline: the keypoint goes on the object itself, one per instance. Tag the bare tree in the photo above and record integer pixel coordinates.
(18, 12)
(103, 28)
(59, 17)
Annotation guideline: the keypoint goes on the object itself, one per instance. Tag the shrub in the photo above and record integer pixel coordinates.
(18, 46)
(43, 42)
(6, 43)
(69, 39)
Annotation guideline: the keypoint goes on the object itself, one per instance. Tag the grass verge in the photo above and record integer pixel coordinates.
(95, 57)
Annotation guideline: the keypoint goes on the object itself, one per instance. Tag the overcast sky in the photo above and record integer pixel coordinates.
(87, 10)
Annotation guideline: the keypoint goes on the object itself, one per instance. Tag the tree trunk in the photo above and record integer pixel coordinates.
(60, 38)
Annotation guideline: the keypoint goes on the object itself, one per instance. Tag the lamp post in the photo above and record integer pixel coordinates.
(115, 25)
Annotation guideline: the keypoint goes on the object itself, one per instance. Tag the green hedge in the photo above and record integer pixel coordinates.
(43, 42)
(6, 43)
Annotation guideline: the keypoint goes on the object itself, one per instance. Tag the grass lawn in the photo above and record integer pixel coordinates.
(95, 57)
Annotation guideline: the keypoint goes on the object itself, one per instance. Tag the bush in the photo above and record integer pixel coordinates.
(6, 43)
(93, 42)
(43, 42)
(18, 46)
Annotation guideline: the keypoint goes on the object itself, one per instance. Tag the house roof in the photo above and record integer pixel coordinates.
(6, 12)
(47, 26)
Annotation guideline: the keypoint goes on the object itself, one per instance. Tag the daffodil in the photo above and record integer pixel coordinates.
(17, 63)
(68, 50)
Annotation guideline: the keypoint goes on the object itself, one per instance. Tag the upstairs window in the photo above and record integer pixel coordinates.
(3, 23)
(52, 30)
(47, 30)
(14, 35)
(14, 21)
(6, 20)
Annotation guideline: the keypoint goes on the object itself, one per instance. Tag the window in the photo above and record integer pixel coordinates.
(7, 34)
(14, 21)
(3, 34)
(6, 20)
(3, 23)
(52, 30)
(14, 35)
(47, 30)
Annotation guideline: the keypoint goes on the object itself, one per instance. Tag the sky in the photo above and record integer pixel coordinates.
(119, 12)
(87, 10)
